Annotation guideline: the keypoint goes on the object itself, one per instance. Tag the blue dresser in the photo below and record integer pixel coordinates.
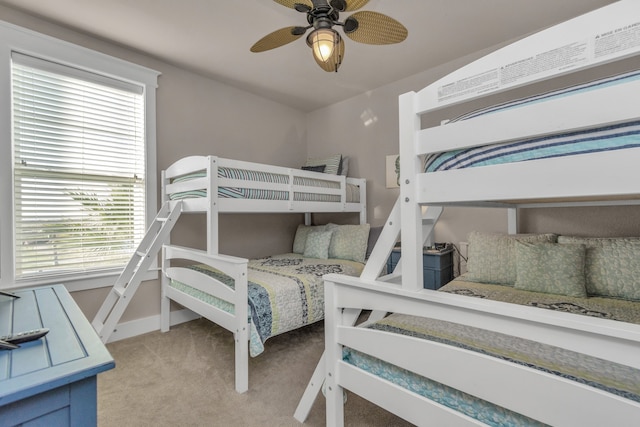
(50, 381)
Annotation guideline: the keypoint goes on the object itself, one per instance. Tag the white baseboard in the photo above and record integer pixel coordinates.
(149, 324)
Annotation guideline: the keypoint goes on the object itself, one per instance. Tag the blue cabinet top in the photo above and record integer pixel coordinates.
(70, 352)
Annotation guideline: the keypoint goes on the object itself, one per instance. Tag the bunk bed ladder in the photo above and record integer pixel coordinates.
(372, 270)
(127, 283)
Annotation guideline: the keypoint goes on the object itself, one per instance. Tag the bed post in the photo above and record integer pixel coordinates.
(363, 206)
(165, 302)
(411, 212)
(512, 220)
(332, 353)
(212, 211)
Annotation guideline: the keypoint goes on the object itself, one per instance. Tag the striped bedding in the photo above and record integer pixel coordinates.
(611, 377)
(352, 191)
(286, 292)
(618, 137)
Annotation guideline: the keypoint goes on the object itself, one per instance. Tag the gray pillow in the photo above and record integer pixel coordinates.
(331, 163)
(317, 244)
(300, 239)
(551, 268)
(349, 242)
(612, 265)
(492, 257)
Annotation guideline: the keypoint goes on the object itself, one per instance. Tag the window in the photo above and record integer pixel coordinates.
(82, 166)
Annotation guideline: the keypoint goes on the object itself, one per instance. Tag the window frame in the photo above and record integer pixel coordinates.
(18, 39)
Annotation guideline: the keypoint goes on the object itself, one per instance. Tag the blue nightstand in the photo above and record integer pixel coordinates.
(50, 381)
(437, 266)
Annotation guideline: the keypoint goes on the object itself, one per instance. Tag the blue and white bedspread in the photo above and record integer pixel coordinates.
(611, 377)
(616, 137)
(286, 292)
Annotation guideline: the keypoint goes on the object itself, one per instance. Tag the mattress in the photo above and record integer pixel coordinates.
(615, 137)
(352, 191)
(614, 378)
(285, 291)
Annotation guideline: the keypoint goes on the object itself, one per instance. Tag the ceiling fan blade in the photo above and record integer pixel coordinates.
(336, 59)
(278, 38)
(354, 4)
(374, 28)
(292, 3)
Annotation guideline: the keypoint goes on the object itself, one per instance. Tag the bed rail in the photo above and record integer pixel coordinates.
(488, 378)
(234, 319)
(255, 187)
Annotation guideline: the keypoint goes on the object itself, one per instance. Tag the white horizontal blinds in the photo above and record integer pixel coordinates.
(79, 168)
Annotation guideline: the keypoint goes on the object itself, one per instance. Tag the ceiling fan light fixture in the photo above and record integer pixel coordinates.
(323, 43)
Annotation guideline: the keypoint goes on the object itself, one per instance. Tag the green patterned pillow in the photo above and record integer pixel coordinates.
(349, 242)
(551, 268)
(331, 164)
(612, 265)
(317, 245)
(300, 239)
(492, 257)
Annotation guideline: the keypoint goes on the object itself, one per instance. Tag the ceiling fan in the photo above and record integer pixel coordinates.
(327, 44)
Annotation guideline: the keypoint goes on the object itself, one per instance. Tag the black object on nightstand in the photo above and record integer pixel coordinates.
(437, 266)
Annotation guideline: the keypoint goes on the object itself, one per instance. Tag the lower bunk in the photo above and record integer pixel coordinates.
(261, 298)
(488, 354)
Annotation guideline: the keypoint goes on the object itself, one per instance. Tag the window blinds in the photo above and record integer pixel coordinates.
(79, 168)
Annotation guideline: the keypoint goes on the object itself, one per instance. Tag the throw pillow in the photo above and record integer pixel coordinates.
(612, 265)
(332, 163)
(551, 268)
(492, 256)
(319, 168)
(349, 242)
(300, 239)
(317, 245)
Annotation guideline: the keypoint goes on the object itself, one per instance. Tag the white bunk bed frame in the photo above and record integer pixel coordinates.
(235, 267)
(603, 178)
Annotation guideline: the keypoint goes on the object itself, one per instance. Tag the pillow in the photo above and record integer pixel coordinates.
(349, 242)
(319, 168)
(300, 239)
(317, 244)
(332, 163)
(344, 166)
(612, 265)
(551, 268)
(492, 256)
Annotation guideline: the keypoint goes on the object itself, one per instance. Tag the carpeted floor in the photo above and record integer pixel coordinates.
(186, 378)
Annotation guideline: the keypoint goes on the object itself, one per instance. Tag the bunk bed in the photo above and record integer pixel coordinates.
(257, 299)
(440, 370)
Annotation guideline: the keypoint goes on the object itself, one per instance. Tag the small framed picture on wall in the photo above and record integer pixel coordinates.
(393, 171)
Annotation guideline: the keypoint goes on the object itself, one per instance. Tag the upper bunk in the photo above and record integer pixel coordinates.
(583, 141)
(246, 187)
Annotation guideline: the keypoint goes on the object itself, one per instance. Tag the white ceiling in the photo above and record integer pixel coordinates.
(213, 37)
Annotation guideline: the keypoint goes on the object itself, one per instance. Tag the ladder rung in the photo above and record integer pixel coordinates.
(114, 306)
(97, 325)
(119, 290)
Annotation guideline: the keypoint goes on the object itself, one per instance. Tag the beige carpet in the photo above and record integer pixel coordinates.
(186, 378)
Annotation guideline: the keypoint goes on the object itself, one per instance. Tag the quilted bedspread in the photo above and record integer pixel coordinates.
(611, 377)
(285, 291)
(621, 380)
